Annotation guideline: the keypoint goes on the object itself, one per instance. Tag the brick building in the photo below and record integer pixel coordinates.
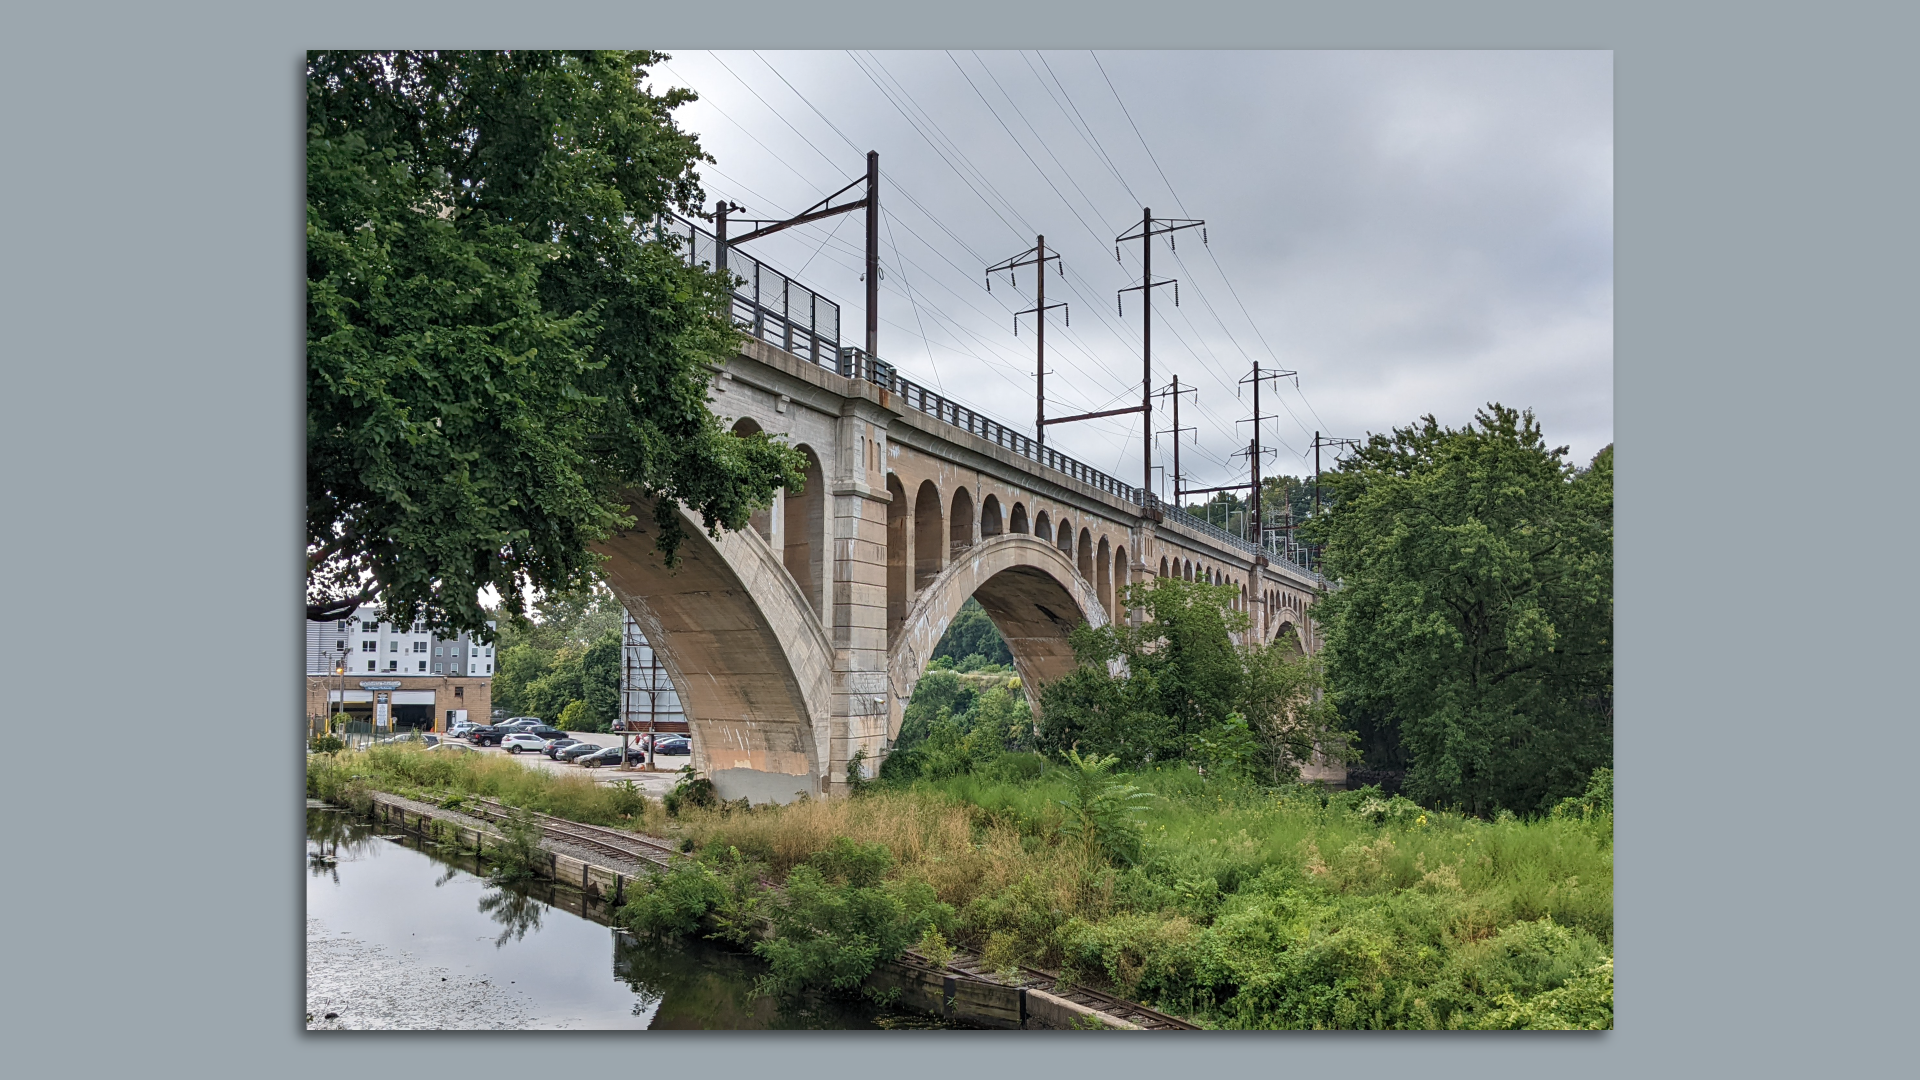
(399, 677)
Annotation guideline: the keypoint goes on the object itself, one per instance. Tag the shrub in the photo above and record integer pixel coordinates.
(837, 919)
(1101, 812)
(519, 854)
(325, 744)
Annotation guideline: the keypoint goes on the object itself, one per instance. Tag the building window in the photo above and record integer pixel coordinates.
(439, 651)
(459, 691)
(489, 669)
(393, 646)
(393, 665)
(420, 646)
(369, 646)
(340, 646)
(371, 664)
(423, 665)
(344, 624)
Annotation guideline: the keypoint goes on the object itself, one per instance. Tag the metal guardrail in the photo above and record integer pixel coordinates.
(855, 363)
(780, 311)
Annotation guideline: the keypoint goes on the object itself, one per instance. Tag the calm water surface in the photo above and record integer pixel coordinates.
(404, 933)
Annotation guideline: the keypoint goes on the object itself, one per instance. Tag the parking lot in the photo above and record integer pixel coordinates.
(655, 784)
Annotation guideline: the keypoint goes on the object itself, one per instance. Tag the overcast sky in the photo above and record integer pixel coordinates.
(1412, 232)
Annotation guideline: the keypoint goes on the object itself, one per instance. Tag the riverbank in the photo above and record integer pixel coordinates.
(1237, 907)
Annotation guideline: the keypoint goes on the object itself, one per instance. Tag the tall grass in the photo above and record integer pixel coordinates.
(442, 777)
(1249, 907)
(1246, 907)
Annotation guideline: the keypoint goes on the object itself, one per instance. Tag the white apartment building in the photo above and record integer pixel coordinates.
(370, 647)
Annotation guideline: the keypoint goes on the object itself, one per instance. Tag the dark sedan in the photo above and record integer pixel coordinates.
(559, 743)
(609, 756)
(674, 745)
(578, 750)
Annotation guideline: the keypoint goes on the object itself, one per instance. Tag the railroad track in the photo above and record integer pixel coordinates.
(596, 837)
(1131, 1011)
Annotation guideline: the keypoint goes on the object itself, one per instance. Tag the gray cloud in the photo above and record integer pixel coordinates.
(1413, 232)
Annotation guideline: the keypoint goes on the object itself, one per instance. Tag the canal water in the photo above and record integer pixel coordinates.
(405, 933)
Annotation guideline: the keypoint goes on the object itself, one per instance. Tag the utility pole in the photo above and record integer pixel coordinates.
(1318, 442)
(825, 208)
(1035, 256)
(1174, 391)
(1150, 227)
(1253, 504)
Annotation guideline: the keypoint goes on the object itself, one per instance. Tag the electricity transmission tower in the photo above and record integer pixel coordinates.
(1036, 257)
(1149, 228)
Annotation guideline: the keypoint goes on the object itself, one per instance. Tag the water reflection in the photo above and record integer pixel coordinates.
(429, 907)
(515, 911)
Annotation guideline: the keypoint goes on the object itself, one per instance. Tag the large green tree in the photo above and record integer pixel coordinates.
(1475, 606)
(499, 349)
(1184, 690)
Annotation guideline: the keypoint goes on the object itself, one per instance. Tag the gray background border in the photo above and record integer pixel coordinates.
(1765, 160)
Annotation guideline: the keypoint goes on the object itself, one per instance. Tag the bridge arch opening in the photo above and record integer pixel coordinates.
(1064, 540)
(1084, 562)
(899, 555)
(1122, 574)
(762, 520)
(1103, 565)
(1028, 590)
(960, 536)
(989, 517)
(1043, 526)
(1017, 521)
(927, 543)
(1289, 636)
(1163, 566)
(805, 514)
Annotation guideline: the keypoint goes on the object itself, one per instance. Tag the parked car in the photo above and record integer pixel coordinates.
(578, 750)
(544, 734)
(554, 746)
(608, 756)
(674, 744)
(485, 735)
(460, 728)
(515, 741)
(452, 746)
(522, 723)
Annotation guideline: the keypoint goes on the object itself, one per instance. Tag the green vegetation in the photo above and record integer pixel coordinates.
(972, 642)
(1187, 692)
(1474, 619)
(497, 349)
(446, 778)
(1231, 904)
(565, 667)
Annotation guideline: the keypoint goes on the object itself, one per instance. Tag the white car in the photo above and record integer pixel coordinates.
(513, 744)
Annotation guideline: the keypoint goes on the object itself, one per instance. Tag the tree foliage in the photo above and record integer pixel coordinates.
(972, 633)
(498, 351)
(1475, 607)
(1185, 691)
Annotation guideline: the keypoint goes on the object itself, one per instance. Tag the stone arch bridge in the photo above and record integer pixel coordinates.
(796, 643)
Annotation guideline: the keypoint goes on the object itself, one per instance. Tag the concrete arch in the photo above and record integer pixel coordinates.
(928, 543)
(752, 665)
(1064, 539)
(805, 527)
(1017, 521)
(1288, 634)
(1084, 560)
(899, 555)
(990, 517)
(1163, 566)
(960, 527)
(1043, 526)
(1032, 593)
(1103, 562)
(762, 520)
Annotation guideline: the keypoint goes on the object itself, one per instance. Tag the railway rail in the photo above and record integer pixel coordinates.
(596, 837)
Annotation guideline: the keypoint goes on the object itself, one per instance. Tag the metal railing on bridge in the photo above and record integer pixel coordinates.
(780, 311)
